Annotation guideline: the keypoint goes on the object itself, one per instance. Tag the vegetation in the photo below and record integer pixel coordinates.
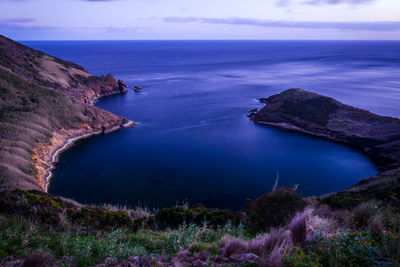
(38, 227)
(41, 97)
(358, 227)
(384, 187)
(306, 109)
(23, 125)
(20, 237)
(273, 210)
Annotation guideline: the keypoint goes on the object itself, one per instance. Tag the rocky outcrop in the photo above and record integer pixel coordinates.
(46, 102)
(314, 114)
(137, 88)
(311, 113)
(122, 86)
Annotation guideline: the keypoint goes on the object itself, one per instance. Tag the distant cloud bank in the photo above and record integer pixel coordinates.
(324, 2)
(366, 26)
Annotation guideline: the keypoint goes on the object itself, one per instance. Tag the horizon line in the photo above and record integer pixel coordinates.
(111, 40)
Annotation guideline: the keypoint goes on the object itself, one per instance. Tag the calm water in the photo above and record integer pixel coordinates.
(194, 142)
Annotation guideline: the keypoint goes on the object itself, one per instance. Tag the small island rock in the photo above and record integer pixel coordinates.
(122, 86)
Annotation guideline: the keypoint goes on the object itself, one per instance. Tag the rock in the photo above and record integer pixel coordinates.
(251, 112)
(122, 86)
(136, 260)
(248, 257)
(137, 88)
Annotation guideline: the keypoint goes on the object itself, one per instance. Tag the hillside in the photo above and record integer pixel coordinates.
(44, 101)
(377, 136)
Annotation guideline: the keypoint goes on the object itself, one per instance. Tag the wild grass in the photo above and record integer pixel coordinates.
(28, 115)
(87, 235)
(368, 235)
(20, 238)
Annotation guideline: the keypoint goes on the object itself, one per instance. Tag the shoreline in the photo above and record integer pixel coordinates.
(375, 136)
(378, 162)
(46, 155)
(54, 150)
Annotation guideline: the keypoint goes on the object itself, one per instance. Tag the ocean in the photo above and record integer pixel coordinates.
(194, 143)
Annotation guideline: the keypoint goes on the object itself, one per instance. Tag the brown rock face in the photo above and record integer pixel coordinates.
(122, 86)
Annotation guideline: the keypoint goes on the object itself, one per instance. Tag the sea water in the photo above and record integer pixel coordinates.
(194, 142)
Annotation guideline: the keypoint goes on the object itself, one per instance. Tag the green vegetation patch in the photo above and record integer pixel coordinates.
(317, 109)
(273, 209)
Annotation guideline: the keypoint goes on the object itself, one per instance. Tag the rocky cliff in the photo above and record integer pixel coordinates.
(44, 102)
(311, 113)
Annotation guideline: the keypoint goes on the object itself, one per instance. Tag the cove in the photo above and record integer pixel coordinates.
(194, 143)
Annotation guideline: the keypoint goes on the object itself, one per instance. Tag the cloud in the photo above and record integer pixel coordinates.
(366, 26)
(336, 2)
(17, 21)
(100, 0)
(24, 24)
(325, 2)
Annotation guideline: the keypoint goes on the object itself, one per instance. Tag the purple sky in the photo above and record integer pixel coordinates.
(200, 19)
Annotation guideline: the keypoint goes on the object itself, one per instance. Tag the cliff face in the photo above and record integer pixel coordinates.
(311, 113)
(44, 101)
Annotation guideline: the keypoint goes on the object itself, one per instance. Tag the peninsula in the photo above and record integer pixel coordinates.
(317, 115)
(46, 104)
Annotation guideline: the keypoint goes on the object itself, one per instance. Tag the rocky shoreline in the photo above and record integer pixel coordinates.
(47, 155)
(49, 106)
(313, 114)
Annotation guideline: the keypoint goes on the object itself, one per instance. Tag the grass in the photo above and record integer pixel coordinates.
(35, 223)
(40, 97)
(28, 115)
(20, 238)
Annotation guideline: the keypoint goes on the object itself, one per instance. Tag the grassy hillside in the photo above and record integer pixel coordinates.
(28, 115)
(41, 96)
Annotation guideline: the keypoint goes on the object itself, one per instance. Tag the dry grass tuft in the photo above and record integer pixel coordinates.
(274, 259)
(234, 246)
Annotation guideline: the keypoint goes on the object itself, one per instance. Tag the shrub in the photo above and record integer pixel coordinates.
(273, 210)
(98, 218)
(173, 217)
(177, 216)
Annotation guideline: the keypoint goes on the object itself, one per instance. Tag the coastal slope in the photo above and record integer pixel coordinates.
(318, 115)
(44, 103)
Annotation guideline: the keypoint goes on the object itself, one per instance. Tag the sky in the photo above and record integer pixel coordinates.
(200, 19)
